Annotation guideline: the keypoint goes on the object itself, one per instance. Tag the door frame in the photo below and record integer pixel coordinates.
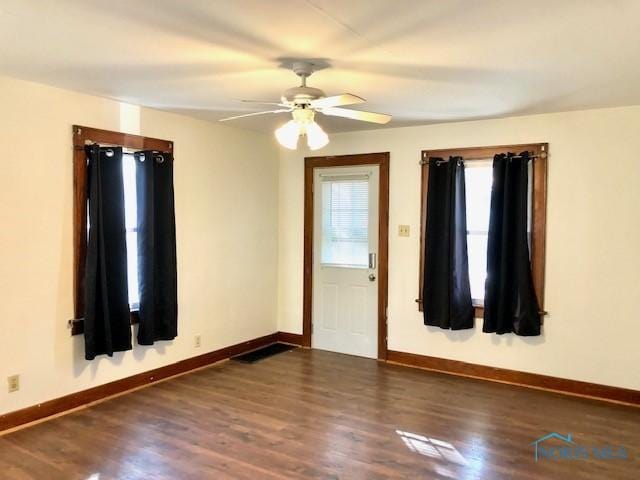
(311, 163)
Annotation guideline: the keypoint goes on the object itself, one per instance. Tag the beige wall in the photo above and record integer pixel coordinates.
(226, 184)
(239, 226)
(593, 243)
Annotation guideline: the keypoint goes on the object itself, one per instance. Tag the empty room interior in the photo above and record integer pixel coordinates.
(318, 239)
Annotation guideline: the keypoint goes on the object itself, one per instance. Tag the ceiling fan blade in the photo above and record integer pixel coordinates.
(282, 110)
(337, 101)
(357, 115)
(260, 102)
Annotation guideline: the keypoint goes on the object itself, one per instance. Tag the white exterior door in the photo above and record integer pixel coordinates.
(345, 263)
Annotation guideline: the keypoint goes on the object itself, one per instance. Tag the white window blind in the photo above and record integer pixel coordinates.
(345, 221)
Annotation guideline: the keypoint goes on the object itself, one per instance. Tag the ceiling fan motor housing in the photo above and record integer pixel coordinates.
(302, 95)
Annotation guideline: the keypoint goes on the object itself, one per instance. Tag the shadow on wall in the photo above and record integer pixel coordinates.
(507, 339)
(139, 352)
(452, 335)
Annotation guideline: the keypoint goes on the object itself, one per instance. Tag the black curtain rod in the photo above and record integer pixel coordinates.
(126, 150)
(532, 156)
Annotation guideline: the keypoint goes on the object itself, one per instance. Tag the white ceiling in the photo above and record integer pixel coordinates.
(423, 61)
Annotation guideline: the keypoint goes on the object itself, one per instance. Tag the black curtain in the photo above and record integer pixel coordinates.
(107, 324)
(157, 276)
(446, 291)
(510, 303)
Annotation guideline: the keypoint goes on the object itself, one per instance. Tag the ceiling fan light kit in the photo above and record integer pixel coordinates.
(302, 124)
(288, 134)
(303, 103)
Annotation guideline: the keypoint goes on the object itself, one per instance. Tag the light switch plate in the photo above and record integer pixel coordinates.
(14, 383)
(403, 230)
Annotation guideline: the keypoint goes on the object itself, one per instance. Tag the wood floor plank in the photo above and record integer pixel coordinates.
(307, 414)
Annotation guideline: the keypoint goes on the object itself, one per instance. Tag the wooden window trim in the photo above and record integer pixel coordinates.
(539, 207)
(83, 136)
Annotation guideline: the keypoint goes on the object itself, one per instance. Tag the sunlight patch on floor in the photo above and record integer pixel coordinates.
(431, 447)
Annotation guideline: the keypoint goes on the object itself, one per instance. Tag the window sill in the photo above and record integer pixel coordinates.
(478, 309)
(77, 325)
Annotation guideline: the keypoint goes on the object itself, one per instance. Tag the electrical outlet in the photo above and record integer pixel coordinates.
(403, 230)
(197, 341)
(14, 383)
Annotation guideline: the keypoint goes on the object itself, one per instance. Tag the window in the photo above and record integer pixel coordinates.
(345, 221)
(131, 225)
(83, 136)
(131, 222)
(478, 176)
(478, 180)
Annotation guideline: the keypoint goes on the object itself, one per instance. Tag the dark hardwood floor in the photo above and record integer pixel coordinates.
(313, 414)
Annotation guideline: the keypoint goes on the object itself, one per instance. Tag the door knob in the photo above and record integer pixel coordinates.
(372, 277)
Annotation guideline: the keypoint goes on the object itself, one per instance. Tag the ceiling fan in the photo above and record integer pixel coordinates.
(303, 103)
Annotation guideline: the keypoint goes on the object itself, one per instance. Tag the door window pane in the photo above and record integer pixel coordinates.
(345, 222)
